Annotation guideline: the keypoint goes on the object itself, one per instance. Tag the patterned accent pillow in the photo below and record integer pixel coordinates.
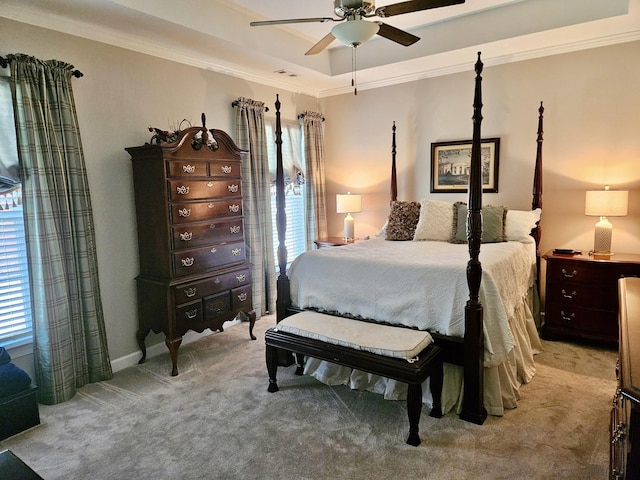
(493, 221)
(436, 222)
(403, 220)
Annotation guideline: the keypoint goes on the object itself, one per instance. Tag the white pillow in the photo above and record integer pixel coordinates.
(519, 224)
(436, 221)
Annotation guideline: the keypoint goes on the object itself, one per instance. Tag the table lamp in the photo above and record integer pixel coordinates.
(605, 203)
(348, 204)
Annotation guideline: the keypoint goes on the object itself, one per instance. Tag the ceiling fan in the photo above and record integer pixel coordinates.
(356, 31)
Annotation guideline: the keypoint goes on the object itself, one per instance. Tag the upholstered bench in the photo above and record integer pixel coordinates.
(402, 354)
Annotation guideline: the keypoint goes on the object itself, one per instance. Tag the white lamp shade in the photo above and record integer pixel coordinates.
(354, 33)
(348, 203)
(606, 203)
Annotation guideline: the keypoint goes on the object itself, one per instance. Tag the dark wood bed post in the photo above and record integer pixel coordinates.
(537, 180)
(473, 401)
(283, 299)
(394, 180)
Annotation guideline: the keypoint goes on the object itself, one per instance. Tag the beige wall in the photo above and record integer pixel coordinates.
(591, 123)
(121, 94)
(592, 117)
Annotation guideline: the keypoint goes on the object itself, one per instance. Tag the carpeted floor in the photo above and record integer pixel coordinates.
(216, 420)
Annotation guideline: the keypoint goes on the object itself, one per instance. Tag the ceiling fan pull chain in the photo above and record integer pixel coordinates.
(353, 71)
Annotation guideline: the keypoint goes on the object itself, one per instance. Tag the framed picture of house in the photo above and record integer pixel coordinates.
(450, 163)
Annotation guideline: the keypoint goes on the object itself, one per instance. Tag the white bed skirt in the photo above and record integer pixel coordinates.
(501, 383)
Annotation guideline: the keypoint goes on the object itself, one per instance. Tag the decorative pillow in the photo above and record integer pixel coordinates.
(383, 231)
(493, 224)
(519, 224)
(437, 221)
(402, 220)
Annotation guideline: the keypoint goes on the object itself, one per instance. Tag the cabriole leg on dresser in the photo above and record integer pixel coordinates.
(140, 336)
(272, 367)
(252, 322)
(173, 346)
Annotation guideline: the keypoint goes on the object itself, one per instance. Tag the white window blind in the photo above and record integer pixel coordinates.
(15, 297)
(292, 159)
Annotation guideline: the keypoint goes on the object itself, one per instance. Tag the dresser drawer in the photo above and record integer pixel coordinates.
(180, 190)
(572, 319)
(201, 259)
(217, 306)
(601, 273)
(198, 211)
(188, 315)
(191, 235)
(214, 284)
(224, 169)
(186, 168)
(241, 298)
(583, 295)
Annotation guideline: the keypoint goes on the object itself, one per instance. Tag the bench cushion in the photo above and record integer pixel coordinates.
(385, 340)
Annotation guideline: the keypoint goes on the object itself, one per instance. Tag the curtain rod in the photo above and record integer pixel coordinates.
(301, 116)
(4, 63)
(234, 104)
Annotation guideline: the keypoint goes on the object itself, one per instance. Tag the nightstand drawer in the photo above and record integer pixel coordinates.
(572, 319)
(583, 295)
(583, 272)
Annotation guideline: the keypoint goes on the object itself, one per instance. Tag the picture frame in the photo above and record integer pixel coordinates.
(450, 162)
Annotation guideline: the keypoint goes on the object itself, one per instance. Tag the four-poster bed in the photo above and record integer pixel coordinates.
(468, 338)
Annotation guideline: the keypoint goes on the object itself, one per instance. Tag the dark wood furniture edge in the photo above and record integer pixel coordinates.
(427, 365)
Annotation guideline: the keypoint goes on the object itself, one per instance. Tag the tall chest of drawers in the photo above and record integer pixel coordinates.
(194, 273)
(582, 294)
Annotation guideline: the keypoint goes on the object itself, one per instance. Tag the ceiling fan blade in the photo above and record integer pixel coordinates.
(294, 20)
(322, 44)
(413, 6)
(396, 35)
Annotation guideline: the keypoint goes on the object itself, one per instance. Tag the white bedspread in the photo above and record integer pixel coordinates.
(418, 284)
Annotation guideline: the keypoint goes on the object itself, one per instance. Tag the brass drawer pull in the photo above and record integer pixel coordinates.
(233, 188)
(241, 278)
(187, 262)
(234, 229)
(569, 275)
(191, 314)
(236, 251)
(213, 250)
(182, 190)
(188, 168)
(184, 212)
(242, 297)
(225, 169)
(190, 292)
(186, 236)
(210, 184)
(567, 318)
(235, 208)
(569, 295)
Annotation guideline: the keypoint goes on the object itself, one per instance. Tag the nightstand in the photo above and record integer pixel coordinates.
(332, 242)
(582, 294)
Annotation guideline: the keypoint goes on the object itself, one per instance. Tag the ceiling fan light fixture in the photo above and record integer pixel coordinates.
(354, 33)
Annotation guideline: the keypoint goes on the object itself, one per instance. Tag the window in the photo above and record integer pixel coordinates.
(15, 297)
(292, 154)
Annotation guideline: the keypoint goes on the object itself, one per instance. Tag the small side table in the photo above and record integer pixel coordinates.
(332, 242)
(582, 294)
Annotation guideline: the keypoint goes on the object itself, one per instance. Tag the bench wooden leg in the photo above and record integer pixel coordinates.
(435, 382)
(272, 367)
(414, 409)
(300, 363)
